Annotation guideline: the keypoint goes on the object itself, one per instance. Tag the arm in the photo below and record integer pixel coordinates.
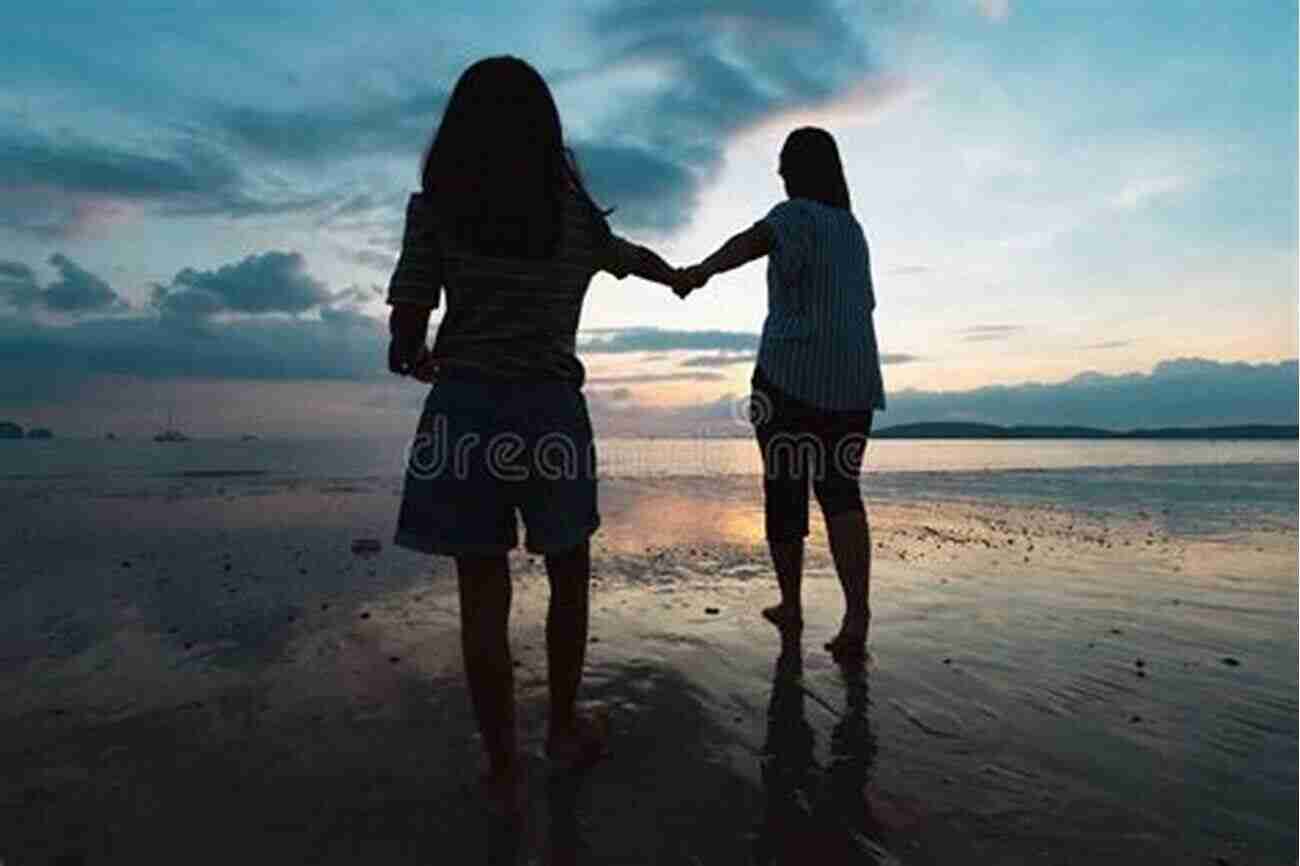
(753, 243)
(647, 264)
(408, 324)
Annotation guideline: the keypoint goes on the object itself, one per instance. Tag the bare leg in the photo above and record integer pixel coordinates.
(566, 631)
(485, 594)
(787, 559)
(850, 540)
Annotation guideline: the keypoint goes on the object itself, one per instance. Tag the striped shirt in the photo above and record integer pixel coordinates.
(507, 319)
(819, 340)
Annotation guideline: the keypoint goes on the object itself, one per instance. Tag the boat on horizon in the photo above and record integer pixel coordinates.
(170, 433)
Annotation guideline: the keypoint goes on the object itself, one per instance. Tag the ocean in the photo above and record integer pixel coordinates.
(1200, 485)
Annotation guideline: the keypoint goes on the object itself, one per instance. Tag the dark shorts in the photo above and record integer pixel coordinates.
(802, 443)
(486, 450)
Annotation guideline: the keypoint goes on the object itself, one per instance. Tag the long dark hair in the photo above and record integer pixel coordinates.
(498, 168)
(810, 164)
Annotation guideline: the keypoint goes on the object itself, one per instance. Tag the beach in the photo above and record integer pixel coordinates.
(1085, 665)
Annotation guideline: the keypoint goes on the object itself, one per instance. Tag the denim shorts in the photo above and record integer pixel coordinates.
(801, 443)
(486, 450)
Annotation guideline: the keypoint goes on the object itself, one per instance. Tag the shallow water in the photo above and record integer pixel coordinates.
(211, 608)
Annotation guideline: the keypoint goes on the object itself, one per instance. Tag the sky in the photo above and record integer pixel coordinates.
(1078, 212)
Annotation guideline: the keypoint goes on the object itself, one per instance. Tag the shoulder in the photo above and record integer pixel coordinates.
(790, 209)
(792, 221)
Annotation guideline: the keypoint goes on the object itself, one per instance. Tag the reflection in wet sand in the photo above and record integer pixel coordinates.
(811, 807)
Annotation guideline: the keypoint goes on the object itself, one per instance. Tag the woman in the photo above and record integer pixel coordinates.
(817, 380)
(505, 228)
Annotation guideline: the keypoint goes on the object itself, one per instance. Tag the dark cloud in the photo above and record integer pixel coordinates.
(18, 285)
(1181, 392)
(272, 282)
(658, 340)
(401, 125)
(1177, 393)
(720, 360)
(52, 186)
(646, 189)
(340, 345)
(985, 333)
(76, 291)
(726, 66)
(650, 378)
(731, 64)
(729, 360)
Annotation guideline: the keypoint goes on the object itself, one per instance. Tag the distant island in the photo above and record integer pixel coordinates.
(964, 430)
(40, 433)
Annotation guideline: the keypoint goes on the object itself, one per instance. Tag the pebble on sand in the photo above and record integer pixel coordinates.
(1230, 661)
(711, 610)
(366, 545)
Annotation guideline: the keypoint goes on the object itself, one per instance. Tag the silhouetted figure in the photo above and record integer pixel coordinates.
(817, 381)
(504, 228)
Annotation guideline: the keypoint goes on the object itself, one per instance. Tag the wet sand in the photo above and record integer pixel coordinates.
(201, 669)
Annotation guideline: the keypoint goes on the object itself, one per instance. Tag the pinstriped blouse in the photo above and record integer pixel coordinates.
(507, 319)
(819, 340)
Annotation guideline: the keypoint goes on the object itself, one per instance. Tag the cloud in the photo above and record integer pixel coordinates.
(381, 124)
(994, 10)
(56, 187)
(1177, 392)
(909, 270)
(724, 67)
(76, 291)
(1138, 192)
(720, 360)
(272, 282)
(1109, 344)
(618, 340)
(984, 333)
(650, 378)
(646, 189)
(730, 360)
(35, 356)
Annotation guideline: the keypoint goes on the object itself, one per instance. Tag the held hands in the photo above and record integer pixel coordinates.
(418, 363)
(687, 280)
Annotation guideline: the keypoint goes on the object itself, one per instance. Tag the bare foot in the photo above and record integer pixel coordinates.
(847, 646)
(783, 617)
(851, 642)
(505, 793)
(580, 745)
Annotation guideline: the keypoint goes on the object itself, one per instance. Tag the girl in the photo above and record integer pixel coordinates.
(817, 380)
(506, 230)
